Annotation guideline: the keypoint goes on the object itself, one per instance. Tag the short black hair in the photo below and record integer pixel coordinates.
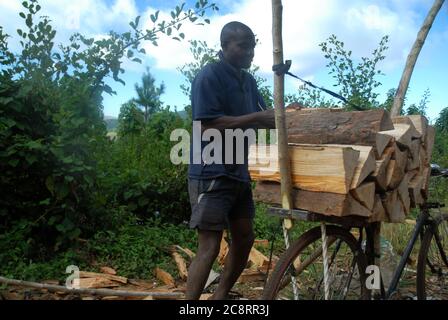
(229, 30)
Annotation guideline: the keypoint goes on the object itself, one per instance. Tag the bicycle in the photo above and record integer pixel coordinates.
(299, 273)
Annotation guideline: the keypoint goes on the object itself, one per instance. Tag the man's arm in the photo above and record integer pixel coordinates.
(257, 120)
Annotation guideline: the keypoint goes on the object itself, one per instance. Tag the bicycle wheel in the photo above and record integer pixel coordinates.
(303, 260)
(432, 268)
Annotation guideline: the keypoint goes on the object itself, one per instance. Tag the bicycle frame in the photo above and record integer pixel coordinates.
(422, 220)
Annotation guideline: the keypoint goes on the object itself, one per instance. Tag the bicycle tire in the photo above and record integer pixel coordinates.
(433, 261)
(301, 246)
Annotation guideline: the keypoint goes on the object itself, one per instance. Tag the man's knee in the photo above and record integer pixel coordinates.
(245, 238)
(209, 244)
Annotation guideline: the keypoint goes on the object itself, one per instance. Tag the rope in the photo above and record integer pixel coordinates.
(283, 68)
(325, 258)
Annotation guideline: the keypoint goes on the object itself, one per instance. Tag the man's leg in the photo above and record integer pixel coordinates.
(242, 241)
(209, 244)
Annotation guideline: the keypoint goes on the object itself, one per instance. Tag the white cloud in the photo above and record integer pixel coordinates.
(360, 24)
(88, 17)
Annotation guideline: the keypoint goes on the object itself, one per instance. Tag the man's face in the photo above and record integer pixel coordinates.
(239, 52)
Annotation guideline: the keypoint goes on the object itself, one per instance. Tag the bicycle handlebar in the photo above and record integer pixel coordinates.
(437, 171)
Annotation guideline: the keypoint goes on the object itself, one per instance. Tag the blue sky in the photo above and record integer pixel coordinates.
(359, 23)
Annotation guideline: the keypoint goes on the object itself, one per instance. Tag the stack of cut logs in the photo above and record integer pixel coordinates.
(349, 163)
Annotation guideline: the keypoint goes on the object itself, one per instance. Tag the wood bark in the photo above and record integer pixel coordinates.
(279, 104)
(412, 57)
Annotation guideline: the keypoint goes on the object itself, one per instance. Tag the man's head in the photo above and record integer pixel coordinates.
(238, 43)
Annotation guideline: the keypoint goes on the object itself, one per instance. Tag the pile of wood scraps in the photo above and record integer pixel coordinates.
(108, 285)
(350, 163)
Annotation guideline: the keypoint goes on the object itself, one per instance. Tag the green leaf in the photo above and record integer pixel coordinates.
(46, 202)
(13, 162)
(137, 20)
(62, 191)
(49, 183)
(143, 202)
(22, 15)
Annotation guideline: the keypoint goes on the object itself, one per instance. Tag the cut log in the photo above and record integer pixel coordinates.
(165, 277)
(256, 258)
(337, 127)
(415, 190)
(400, 156)
(325, 203)
(403, 193)
(394, 208)
(382, 141)
(313, 168)
(395, 174)
(365, 194)
(414, 155)
(424, 162)
(380, 174)
(415, 134)
(426, 177)
(181, 265)
(429, 141)
(86, 274)
(420, 123)
(379, 213)
(402, 134)
(366, 165)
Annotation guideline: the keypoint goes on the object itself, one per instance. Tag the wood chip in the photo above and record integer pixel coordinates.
(108, 270)
(165, 277)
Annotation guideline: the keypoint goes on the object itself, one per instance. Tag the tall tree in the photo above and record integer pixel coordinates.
(148, 94)
(412, 57)
(130, 119)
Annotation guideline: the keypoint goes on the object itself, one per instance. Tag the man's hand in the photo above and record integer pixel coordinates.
(257, 120)
(266, 119)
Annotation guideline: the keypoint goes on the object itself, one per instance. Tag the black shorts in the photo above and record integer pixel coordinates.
(216, 201)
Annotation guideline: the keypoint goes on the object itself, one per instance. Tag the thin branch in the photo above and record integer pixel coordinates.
(99, 292)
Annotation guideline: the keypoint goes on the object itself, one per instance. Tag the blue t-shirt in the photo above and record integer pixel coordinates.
(221, 90)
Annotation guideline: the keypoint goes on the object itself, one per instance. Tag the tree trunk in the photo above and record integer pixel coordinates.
(279, 104)
(412, 58)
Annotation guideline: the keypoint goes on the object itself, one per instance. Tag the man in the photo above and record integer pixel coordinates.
(224, 96)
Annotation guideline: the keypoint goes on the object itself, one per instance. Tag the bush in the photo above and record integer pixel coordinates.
(136, 171)
(137, 247)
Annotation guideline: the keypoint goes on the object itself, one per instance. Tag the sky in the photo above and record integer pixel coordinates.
(360, 24)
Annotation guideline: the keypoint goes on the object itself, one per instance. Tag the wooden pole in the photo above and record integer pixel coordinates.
(412, 58)
(279, 104)
(99, 292)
